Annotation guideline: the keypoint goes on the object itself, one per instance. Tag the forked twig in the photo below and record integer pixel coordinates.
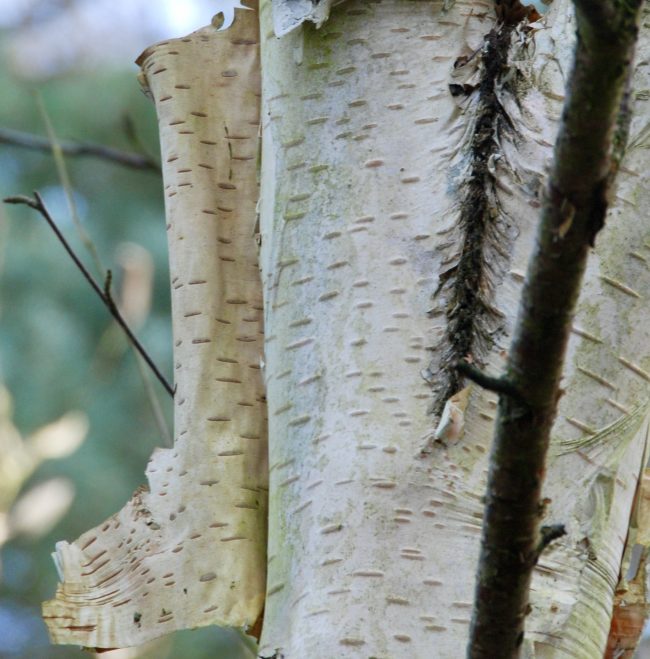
(104, 295)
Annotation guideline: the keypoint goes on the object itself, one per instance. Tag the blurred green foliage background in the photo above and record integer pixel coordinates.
(59, 349)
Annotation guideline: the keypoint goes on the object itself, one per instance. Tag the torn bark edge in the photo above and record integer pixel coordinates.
(291, 14)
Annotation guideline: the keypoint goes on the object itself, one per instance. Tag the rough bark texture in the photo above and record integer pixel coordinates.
(190, 549)
(367, 156)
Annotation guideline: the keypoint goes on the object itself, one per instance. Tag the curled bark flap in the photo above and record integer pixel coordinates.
(188, 550)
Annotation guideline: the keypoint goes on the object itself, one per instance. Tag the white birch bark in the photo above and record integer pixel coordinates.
(372, 545)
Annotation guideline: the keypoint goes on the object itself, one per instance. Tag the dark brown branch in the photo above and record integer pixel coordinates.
(104, 295)
(573, 212)
(499, 386)
(38, 143)
(546, 535)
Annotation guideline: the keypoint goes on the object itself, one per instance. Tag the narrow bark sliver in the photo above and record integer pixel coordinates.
(189, 549)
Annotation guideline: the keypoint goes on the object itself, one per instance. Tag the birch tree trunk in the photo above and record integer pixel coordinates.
(404, 152)
(405, 146)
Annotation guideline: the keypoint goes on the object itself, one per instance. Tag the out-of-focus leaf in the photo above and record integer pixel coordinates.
(37, 512)
(59, 438)
(137, 283)
(4, 528)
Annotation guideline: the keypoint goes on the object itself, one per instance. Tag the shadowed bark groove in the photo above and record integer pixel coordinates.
(573, 212)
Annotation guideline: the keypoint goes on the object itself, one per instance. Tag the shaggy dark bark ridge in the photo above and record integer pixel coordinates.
(468, 284)
(573, 211)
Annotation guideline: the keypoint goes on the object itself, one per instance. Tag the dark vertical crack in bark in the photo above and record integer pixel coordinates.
(467, 285)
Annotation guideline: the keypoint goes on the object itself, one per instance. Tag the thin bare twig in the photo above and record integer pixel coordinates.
(154, 403)
(69, 148)
(135, 141)
(38, 205)
(156, 410)
(498, 385)
(66, 183)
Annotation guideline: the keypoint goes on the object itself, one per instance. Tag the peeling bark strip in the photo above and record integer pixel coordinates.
(573, 213)
(485, 244)
(631, 608)
(190, 550)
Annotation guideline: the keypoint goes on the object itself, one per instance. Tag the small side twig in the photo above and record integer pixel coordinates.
(66, 183)
(69, 148)
(108, 282)
(547, 534)
(137, 144)
(151, 396)
(104, 295)
(499, 385)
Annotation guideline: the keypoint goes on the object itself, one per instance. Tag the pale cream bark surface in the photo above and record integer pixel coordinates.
(372, 546)
(189, 550)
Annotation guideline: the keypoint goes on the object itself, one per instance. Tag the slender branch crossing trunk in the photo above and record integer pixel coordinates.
(574, 206)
